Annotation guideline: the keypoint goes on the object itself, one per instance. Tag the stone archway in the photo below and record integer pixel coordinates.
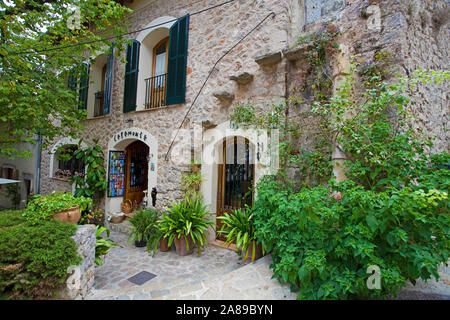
(119, 142)
(212, 156)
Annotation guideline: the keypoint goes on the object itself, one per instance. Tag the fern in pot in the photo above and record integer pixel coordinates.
(238, 227)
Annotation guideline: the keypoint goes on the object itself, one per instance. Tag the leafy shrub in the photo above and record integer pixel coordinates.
(44, 207)
(323, 239)
(102, 245)
(34, 257)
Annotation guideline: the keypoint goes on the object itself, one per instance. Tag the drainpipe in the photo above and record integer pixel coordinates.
(37, 172)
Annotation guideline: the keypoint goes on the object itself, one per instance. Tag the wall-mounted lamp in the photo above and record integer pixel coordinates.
(258, 153)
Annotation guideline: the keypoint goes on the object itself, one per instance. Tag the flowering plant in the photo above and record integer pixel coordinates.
(94, 216)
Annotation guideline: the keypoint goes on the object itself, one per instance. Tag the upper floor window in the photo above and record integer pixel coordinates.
(93, 82)
(155, 73)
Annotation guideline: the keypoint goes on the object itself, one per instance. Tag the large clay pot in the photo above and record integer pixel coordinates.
(258, 252)
(164, 245)
(180, 245)
(71, 215)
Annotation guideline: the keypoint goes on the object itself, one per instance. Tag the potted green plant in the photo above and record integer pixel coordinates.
(143, 225)
(238, 227)
(156, 239)
(62, 206)
(185, 223)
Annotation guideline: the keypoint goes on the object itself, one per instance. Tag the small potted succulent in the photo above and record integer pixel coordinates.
(238, 227)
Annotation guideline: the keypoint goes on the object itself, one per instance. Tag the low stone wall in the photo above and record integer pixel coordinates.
(81, 279)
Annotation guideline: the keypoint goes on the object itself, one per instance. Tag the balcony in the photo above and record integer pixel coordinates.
(155, 91)
(98, 105)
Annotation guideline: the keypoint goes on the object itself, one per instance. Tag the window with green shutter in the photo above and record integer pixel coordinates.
(177, 61)
(131, 76)
(72, 80)
(108, 82)
(84, 87)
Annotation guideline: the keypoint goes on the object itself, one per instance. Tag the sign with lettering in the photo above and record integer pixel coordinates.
(130, 134)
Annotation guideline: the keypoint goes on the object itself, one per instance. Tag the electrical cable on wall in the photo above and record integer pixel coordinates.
(209, 74)
(121, 35)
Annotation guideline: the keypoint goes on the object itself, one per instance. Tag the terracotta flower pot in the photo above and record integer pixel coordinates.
(195, 168)
(181, 247)
(258, 252)
(164, 245)
(71, 215)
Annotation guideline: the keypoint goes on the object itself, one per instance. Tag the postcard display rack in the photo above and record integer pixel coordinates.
(116, 175)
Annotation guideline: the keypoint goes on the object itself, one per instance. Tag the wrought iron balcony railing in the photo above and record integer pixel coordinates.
(155, 91)
(98, 106)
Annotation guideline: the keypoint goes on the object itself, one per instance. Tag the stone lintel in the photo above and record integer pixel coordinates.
(268, 59)
(242, 78)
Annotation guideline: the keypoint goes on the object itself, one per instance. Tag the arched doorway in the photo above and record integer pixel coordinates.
(136, 171)
(236, 176)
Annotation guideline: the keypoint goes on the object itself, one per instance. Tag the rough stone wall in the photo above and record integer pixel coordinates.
(211, 33)
(416, 35)
(414, 32)
(84, 277)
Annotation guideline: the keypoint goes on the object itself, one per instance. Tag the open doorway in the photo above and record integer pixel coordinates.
(235, 178)
(136, 171)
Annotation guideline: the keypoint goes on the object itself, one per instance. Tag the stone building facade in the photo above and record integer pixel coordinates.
(264, 68)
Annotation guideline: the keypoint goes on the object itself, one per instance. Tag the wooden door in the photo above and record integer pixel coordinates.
(235, 178)
(136, 171)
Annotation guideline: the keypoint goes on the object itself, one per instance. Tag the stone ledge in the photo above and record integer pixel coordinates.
(268, 59)
(224, 97)
(242, 78)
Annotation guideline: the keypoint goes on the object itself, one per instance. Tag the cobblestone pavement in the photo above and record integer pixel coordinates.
(122, 263)
(217, 274)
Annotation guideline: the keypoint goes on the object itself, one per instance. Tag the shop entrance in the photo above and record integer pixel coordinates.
(136, 172)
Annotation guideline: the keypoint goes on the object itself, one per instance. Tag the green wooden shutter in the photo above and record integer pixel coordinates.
(131, 76)
(177, 61)
(72, 79)
(84, 87)
(108, 82)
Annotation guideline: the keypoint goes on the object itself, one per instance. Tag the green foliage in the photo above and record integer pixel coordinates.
(92, 184)
(188, 217)
(34, 257)
(28, 77)
(239, 227)
(93, 216)
(323, 245)
(44, 207)
(143, 225)
(190, 184)
(13, 193)
(392, 211)
(102, 245)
